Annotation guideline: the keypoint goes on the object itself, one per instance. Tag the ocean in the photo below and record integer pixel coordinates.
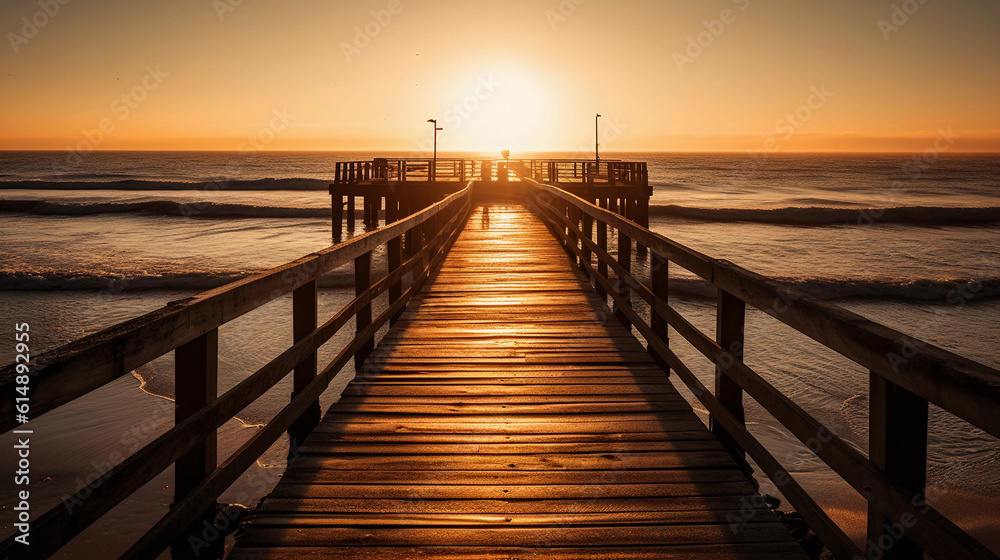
(911, 241)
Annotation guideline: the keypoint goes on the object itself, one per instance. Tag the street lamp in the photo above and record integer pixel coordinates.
(597, 139)
(434, 165)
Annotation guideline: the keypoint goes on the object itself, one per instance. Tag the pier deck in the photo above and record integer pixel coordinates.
(508, 414)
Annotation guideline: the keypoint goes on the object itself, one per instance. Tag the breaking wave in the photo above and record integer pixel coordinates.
(813, 216)
(160, 208)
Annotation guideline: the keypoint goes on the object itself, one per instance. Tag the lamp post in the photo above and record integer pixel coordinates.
(597, 139)
(433, 172)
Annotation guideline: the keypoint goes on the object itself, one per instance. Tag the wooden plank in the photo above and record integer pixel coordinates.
(292, 520)
(515, 478)
(469, 437)
(486, 506)
(735, 490)
(494, 427)
(514, 536)
(512, 409)
(751, 551)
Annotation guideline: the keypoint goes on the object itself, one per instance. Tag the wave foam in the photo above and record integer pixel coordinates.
(106, 182)
(118, 283)
(816, 215)
(160, 208)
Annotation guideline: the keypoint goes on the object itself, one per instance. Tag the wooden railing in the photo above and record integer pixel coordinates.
(606, 172)
(190, 328)
(611, 172)
(383, 169)
(905, 375)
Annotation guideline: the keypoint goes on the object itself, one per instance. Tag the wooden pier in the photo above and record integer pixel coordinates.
(505, 416)
(515, 394)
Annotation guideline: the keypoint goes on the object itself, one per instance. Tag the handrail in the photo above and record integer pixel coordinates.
(608, 172)
(102, 357)
(894, 490)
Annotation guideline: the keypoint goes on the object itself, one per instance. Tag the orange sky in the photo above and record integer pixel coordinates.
(775, 75)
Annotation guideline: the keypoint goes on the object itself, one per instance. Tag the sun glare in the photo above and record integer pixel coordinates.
(502, 108)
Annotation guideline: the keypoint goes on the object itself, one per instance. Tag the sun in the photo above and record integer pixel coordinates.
(500, 109)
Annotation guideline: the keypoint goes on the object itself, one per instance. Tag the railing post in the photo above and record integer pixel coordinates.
(304, 312)
(625, 260)
(660, 279)
(897, 444)
(410, 237)
(363, 281)
(196, 383)
(642, 213)
(571, 214)
(588, 232)
(394, 250)
(602, 242)
(730, 320)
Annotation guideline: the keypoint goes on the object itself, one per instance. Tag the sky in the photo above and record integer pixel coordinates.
(706, 75)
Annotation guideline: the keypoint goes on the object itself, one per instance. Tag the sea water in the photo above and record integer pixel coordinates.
(124, 233)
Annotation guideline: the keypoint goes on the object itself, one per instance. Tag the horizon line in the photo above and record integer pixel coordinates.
(754, 152)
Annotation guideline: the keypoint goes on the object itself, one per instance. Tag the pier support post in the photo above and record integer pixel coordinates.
(730, 320)
(351, 213)
(660, 278)
(337, 206)
(363, 281)
(196, 383)
(897, 444)
(304, 313)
